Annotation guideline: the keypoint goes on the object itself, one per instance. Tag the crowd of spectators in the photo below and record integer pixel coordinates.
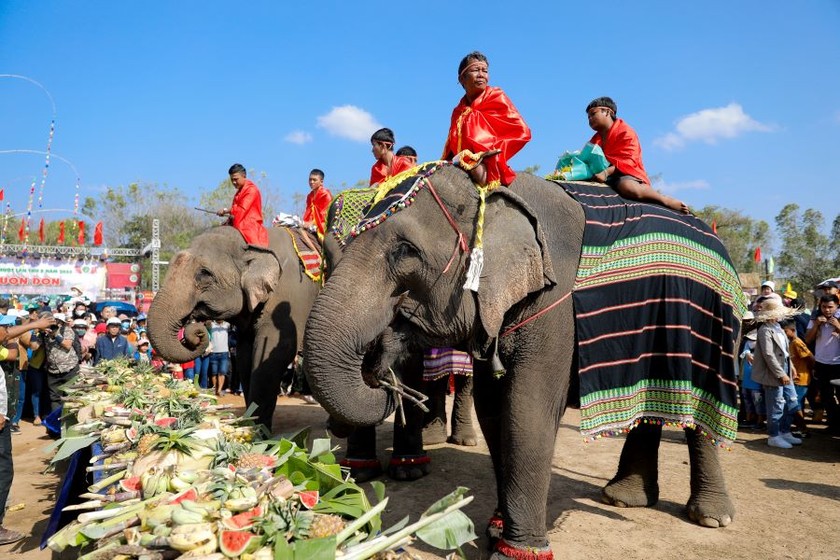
(790, 359)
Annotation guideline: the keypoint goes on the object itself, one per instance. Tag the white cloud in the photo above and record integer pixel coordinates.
(668, 187)
(298, 137)
(349, 121)
(711, 125)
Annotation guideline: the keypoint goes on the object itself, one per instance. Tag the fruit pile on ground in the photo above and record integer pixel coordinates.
(180, 476)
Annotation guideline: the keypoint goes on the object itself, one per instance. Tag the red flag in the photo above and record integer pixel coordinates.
(2, 193)
(22, 230)
(714, 226)
(757, 255)
(60, 239)
(81, 232)
(97, 234)
(41, 231)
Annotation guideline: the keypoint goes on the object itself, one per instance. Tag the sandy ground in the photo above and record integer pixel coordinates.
(788, 501)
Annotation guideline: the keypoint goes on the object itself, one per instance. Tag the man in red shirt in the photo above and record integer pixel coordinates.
(317, 202)
(626, 173)
(245, 213)
(387, 164)
(484, 120)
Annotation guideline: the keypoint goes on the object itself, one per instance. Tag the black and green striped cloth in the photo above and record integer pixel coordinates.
(658, 306)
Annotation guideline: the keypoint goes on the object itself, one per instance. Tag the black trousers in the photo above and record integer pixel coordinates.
(55, 381)
(825, 373)
(7, 470)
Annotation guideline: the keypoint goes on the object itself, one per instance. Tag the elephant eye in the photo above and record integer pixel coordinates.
(203, 275)
(403, 250)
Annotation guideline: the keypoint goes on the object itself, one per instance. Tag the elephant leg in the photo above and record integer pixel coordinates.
(434, 429)
(488, 406)
(244, 361)
(361, 454)
(636, 482)
(709, 504)
(409, 460)
(462, 427)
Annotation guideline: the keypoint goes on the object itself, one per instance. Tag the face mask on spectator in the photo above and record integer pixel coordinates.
(125, 325)
(80, 331)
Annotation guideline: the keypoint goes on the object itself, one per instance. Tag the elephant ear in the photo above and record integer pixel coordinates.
(260, 276)
(516, 258)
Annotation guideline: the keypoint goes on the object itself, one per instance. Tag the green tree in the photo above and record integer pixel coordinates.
(127, 213)
(740, 235)
(808, 255)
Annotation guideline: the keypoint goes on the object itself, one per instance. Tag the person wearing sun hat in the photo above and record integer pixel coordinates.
(143, 354)
(772, 368)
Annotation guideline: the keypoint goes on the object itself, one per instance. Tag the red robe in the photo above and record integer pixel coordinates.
(623, 150)
(317, 204)
(490, 122)
(246, 214)
(379, 172)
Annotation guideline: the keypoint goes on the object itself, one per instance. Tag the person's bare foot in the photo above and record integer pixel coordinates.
(479, 174)
(675, 204)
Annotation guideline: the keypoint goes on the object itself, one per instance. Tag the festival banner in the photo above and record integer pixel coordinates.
(51, 277)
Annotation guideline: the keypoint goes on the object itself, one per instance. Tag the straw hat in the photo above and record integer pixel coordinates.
(771, 308)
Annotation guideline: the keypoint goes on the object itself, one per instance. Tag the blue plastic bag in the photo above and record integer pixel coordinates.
(581, 164)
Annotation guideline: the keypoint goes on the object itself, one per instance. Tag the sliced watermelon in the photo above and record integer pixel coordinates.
(309, 498)
(243, 520)
(131, 484)
(166, 422)
(188, 494)
(234, 544)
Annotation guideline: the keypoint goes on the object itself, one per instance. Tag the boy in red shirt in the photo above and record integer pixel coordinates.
(317, 202)
(626, 173)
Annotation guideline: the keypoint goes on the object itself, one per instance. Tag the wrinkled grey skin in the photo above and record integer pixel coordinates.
(419, 429)
(532, 240)
(264, 292)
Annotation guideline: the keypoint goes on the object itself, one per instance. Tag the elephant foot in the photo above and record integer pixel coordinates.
(495, 528)
(711, 509)
(362, 470)
(434, 432)
(409, 468)
(506, 550)
(463, 435)
(630, 491)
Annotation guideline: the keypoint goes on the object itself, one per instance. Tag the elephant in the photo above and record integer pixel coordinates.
(404, 275)
(263, 292)
(409, 460)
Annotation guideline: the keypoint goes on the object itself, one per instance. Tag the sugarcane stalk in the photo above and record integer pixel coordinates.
(118, 497)
(108, 467)
(122, 526)
(103, 514)
(116, 421)
(360, 522)
(94, 504)
(366, 550)
(117, 447)
(105, 482)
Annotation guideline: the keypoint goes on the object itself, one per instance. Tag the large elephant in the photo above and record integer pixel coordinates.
(409, 460)
(264, 292)
(400, 275)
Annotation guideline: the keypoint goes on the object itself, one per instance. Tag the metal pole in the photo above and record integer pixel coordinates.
(155, 255)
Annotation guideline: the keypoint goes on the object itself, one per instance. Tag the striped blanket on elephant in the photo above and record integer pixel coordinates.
(658, 307)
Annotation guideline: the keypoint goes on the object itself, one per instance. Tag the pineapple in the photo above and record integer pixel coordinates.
(254, 460)
(146, 444)
(325, 526)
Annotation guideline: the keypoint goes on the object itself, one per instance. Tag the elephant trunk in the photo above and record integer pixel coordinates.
(346, 317)
(168, 314)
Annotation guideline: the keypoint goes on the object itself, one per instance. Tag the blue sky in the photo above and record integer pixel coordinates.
(736, 102)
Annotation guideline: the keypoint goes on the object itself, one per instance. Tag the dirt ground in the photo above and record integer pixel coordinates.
(788, 501)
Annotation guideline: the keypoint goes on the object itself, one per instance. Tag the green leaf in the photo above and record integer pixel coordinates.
(71, 445)
(396, 526)
(456, 496)
(378, 490)
(319, 447)
(283, 550)
(449, 532)
(315, 548)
